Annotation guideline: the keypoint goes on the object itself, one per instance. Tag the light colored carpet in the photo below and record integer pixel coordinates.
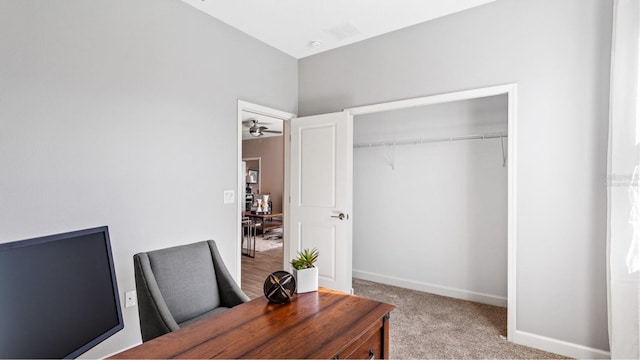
(427, 326)
(271, 239)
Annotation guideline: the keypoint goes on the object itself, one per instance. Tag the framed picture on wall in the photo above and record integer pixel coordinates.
(252, 176)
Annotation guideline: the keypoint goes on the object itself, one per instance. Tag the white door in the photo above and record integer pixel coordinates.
(321, 194)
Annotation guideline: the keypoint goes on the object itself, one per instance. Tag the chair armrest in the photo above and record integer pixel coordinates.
(155, 318)
(230, 293)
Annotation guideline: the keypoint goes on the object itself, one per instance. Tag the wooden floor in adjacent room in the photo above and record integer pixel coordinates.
(255, 270)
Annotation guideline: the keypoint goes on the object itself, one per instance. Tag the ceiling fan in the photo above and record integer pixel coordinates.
(257, 131)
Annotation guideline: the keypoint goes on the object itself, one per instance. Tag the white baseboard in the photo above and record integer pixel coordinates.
(431, 288)
(558, 346)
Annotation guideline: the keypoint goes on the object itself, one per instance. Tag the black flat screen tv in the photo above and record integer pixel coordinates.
(58, 295)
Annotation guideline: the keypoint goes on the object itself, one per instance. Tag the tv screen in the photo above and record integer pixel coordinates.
(58, 295)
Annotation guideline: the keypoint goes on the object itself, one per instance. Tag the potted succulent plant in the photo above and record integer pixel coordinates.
(305, 271)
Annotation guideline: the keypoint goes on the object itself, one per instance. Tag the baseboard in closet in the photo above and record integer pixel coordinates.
(432, 288)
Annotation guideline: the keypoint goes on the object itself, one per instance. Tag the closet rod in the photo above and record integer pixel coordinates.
(432, 140)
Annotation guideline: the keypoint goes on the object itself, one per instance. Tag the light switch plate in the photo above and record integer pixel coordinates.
(229, 196)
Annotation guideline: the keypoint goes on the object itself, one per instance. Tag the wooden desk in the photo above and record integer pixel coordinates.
(318, 325)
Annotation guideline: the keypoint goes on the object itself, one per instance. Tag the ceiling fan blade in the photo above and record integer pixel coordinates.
(256, 129)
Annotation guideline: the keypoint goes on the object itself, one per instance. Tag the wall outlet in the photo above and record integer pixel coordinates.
(229, 196)
(130, 298)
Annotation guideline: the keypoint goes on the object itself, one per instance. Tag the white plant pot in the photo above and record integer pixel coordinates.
(306, 280)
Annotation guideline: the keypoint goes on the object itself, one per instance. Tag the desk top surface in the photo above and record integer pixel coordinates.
(270, 215)
(313, 325)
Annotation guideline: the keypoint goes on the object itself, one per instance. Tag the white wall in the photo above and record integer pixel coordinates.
(124, 113)
(438, 218)
(559, 54)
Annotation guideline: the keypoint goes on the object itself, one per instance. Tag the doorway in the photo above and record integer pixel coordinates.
(262, 190)
(510, 91)
(434, 179)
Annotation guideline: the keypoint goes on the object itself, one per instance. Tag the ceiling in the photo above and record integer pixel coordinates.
(293, 26)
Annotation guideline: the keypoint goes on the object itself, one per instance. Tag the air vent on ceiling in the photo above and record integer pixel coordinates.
(343, 31)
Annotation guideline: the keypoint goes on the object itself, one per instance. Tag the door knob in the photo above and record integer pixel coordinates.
(340, 216)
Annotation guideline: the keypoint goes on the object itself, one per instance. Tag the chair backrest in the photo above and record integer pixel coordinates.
(186, 278)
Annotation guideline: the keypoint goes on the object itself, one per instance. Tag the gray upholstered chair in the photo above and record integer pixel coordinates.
(180, 285)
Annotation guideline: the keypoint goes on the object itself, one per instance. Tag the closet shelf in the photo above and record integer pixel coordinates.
(432, 140)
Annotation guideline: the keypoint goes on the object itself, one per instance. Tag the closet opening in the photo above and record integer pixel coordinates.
(433, 196)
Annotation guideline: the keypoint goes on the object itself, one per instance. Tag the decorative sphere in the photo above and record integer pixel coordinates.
(279, 287)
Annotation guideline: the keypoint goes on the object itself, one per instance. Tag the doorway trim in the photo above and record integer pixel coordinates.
(511, 91)
(285, 117)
